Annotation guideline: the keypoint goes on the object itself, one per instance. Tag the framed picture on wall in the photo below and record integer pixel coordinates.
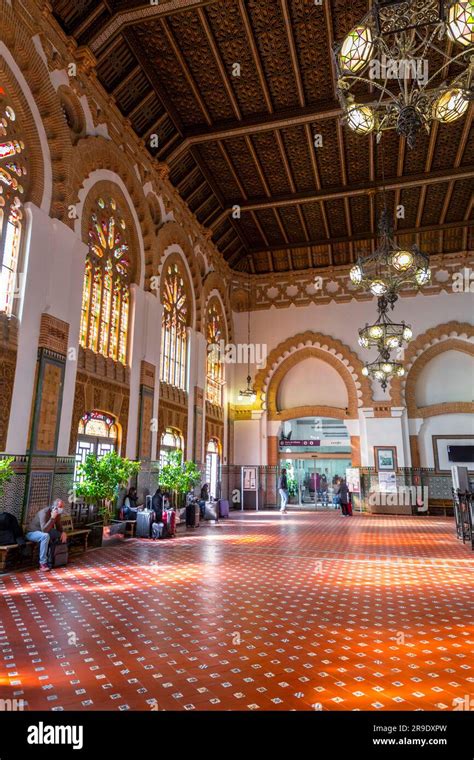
(385, 458)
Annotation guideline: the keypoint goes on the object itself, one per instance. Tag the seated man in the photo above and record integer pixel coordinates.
(46, 526)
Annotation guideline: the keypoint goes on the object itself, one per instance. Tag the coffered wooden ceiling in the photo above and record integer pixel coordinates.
(248, 140)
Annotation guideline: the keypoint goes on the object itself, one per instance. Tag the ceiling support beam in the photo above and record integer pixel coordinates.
(365, 236)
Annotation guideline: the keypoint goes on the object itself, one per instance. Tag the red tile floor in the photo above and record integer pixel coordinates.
(260, 612)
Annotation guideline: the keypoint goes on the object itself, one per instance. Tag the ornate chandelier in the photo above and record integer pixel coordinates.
(390, 268)
(393, 72)
(385, 334)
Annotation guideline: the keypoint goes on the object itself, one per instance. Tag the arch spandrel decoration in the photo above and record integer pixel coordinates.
(329, 350)
(213, 282)
(93, 154)
(446, 337)
(36, 74)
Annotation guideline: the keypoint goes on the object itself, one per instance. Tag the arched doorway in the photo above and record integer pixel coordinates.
(98, 434)
(315, 452)
(213, 467)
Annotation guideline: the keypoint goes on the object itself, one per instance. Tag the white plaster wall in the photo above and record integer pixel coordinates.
(385, 431)
(342, 321)
(447, 377)
(448, 425)
(312, 382)
(53, 275)
(248, 442)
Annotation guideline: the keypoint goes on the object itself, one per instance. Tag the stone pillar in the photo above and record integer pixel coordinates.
(355, 447)
(51, 284)
(415, 451)
(137, 338)
(272, 446)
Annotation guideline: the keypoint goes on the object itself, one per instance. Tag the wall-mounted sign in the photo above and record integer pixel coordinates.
(353, 479)
(284, 444)
(249, 478)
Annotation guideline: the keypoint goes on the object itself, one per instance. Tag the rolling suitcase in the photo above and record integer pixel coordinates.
(192, 515)
(58, 555)
(144, 521)
(169, 523)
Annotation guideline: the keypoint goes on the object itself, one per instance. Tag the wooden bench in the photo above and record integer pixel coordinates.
(75, 536)
(11, 558)
(130, 527)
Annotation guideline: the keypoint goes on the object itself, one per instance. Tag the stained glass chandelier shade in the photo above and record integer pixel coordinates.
(405, 65)
(106, 293)
(13, 192)
(390, 268)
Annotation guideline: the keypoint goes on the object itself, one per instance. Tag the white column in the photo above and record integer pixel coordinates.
(53, 271)
(153, 355)
(137, 352)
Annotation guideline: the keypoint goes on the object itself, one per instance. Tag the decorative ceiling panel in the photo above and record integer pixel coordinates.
(237, 91)
(272, 43)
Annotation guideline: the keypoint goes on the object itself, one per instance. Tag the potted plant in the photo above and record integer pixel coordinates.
(6, 473)
(293, 490)
(178, 477)
(100, 480)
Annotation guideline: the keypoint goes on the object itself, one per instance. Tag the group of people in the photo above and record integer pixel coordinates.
(160, 500)
(341, 493)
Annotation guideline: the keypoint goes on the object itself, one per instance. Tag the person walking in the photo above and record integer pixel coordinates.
(283, 489)
(344, 498)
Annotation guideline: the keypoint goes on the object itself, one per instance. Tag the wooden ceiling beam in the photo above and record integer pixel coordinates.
(364, 236)
(400, 164)
(79, 30)
(125, 81)
(457, 162)
(317, 180)
(215, 52)
(147, 66)
(257, 124)
(155, 126)
(140, 14)
(151, 95)
(278, 201)
(185, 69)
(293, 53)
(189, 198)
(255, 55)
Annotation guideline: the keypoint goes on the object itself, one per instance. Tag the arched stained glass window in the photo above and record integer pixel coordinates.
(13, 178)
(215, 368)
(174, 337)
(106, 293)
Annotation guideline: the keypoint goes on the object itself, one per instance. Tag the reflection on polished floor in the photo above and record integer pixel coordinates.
(260, 612)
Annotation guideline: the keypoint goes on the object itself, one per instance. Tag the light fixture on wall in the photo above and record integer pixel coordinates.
(410, 79)
(249, 394)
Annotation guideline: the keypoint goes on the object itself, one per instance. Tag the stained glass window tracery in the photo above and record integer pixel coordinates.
(174, 337)
(106, 292)
(13, 179)
(215, 369)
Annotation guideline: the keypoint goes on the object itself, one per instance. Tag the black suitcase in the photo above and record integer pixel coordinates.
(144, 521)
(58, 555)
(192, 515)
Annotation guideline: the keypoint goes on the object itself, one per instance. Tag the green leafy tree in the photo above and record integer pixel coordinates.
(179, 477)
(292, 487)
(100, 480)
(6, 472)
